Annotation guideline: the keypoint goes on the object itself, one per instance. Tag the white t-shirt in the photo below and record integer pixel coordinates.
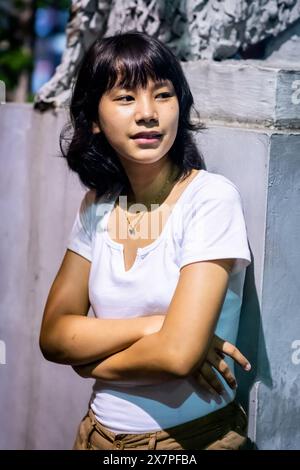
(207, 222)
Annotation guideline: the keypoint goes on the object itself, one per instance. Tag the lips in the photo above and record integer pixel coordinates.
(147, 135)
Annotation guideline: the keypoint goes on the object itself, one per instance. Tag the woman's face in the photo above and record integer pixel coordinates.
(123, 113)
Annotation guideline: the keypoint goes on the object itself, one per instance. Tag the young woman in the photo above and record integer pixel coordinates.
(158, 250)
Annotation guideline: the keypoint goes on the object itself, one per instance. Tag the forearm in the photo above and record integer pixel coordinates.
(76, 339)
(146, 361)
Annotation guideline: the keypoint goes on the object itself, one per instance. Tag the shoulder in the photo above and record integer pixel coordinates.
(88, 210)
(93, 208)
(210, 185)
(88, 199)
(87, 204)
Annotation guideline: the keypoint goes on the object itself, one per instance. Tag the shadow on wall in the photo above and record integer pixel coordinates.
(251, 343)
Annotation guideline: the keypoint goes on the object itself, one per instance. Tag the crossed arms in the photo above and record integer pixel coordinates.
(151, 348)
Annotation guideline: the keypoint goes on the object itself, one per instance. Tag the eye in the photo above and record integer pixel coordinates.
(125, 98)
(165, 94)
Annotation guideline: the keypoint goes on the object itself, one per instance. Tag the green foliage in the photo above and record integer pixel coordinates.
(15, 39)
(17, 36)
(12, 63)
(30, 97)
(58, 4)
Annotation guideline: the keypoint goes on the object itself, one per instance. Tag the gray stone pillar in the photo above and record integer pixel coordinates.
(252, 111)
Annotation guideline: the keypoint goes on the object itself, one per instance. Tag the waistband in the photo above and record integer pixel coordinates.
(233, 413)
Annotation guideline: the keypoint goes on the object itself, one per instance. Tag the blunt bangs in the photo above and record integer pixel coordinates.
(133, 72)
(130, 60)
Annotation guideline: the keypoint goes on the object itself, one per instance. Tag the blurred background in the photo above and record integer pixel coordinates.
(32, 40)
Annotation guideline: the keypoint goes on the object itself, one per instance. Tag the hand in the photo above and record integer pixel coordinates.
(206, 376)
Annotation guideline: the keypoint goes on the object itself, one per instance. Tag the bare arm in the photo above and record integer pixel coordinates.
(68, 336)
(182, 344)
(204, 375)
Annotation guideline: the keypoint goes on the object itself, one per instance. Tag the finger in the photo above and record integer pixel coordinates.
(231, 350)
(211, 378)
(205, 385)
(222, 367)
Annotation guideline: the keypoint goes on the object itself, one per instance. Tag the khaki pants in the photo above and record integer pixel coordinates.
(224, 429)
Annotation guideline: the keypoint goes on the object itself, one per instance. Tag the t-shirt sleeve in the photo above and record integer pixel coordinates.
(214, 227)
(81, 236)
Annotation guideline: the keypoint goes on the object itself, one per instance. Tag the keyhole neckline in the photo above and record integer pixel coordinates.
(141, 251)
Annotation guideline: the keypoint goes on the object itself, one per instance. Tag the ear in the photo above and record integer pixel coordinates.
(95, 128)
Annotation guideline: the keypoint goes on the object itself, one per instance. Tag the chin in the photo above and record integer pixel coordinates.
(145, 157)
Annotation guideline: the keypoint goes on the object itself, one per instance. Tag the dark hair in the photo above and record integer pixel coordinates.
(131, 59)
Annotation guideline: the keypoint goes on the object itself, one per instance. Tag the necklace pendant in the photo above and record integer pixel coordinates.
(131, 231)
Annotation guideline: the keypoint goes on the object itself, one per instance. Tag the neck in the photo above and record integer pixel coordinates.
(148, 182)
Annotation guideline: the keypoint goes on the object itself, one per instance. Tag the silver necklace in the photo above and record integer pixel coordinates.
(131, 227)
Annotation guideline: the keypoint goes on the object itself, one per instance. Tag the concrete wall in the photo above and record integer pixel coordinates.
(41, 403)
(245, 104)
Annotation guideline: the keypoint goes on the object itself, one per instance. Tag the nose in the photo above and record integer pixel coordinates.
(146, 110)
